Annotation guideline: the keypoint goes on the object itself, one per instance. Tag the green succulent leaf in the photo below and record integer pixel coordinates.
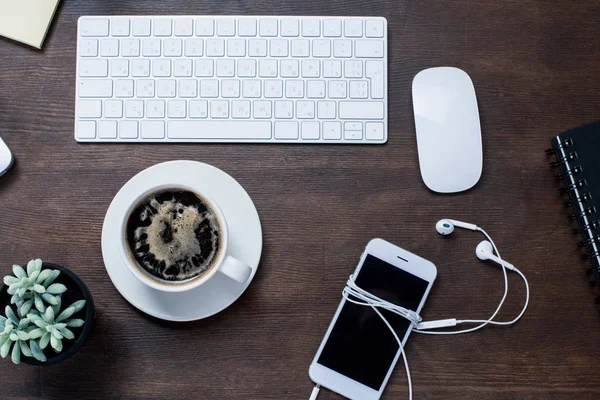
(39, 304)
(43, 275)
(53, 275)
(23, 335)
(78, 305)
(5, 348)
(26, 307)
(38, 354)
(48, 298)
(60, 325)
(32, 267)
(36, 333)
(11, 315)
(12, 289)
(2, 321)
(3, 339)
(45, 340)
(56, 288)
(15, 298)
(36, 319)
(75, 323)
(25, 349)
(23, 323)
(49, 315)
(19, 271)
(33, 276)
(56, 333)
(66, 314)
(10, 280)
(39, 288)
(16, 353)
(21, 292)
(67, 333)
(13, 336)
(56, 343)
(56, 307)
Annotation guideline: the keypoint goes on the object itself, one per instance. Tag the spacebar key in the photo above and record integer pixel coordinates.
(219, 130)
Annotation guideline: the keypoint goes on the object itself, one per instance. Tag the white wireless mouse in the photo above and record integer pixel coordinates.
(6, 158)
(448, 129)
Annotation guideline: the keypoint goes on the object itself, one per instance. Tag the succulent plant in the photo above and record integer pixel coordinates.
(52, 329)
(15, 335)
(33, 287)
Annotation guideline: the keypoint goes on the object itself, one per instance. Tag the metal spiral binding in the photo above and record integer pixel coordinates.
(571, 187)
(572, 172)
(591, 225)
(560, 145)
(562, 160)
(588, 211)
(589, 255)
(588, 241)
(581, 200)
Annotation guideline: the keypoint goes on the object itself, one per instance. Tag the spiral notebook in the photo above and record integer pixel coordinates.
(577, 154)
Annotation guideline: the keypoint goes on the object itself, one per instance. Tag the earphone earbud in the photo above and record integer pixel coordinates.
(485, 251)
(446, 226)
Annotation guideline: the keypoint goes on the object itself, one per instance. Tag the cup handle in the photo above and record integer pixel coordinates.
(235, 269)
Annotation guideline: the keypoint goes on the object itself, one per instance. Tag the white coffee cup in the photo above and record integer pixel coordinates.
(225, 264)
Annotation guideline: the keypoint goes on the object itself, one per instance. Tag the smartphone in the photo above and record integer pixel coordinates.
(358, 353)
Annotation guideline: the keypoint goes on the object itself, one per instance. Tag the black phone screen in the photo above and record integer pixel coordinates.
(360, 345)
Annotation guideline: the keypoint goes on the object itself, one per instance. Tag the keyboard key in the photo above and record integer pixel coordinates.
(93, 68)
(162, 27)
(246, 68)
(361, 110)
(188, 88)
(230, 88)
(182, 68)
(151, 47)
(251, 88)
(284, 109)
(198, 109)
(342, 48)
(141, 27)
(176, 109)
(113, 108)
(353, 69)
(290, 27)
(193, 47)
(326, 109)
(226, 27)
(315, 89)
(93, 27)
(262, 109)
(86, 129)
(305, 109)
(332, 69)
(123, 88)
(359, 89)
(225, 68)
(247, 27)
(88, 48)
(311, 27)
(286, 130)
(166, 88)
(267, 27)
(257, 48)
(321, 48)
(109, 47)
(374, 71)
(161, 67)
(240, 109)
(294, 89)
(130, 47)
(353, 130)
(332, 130)
(134, 109)
(204, 68)
(153, 130)
(215, 47)
(353, 135)
(369, 48)
(119, 68)
(140, 68)
(205, 27)
(310, 69)
(273, 88)
(332, 28)
(310, 130)
(128, 129)
(337, 89)
(183, 27)
(145, 88)
(374, 130)
(107, 129)
(236, 47)
(90, 108)
(267, 68)
(95, 88)
(219, 130)
(173, 47)
(155, 109)
(119, 27)
(279, 48)
(300, 48)
(209, 88)
(374, 28)
(289, 68)
(353, 28)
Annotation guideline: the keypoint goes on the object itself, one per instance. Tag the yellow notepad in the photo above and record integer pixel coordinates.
(26, 21)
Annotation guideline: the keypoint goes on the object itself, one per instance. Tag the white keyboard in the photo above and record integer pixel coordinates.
(231, 79)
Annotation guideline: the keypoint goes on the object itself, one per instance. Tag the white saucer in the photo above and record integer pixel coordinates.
(245, 242)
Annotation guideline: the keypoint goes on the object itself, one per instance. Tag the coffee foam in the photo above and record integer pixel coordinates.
(174, 235)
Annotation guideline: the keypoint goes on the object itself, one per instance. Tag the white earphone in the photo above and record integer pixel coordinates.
(484, 251)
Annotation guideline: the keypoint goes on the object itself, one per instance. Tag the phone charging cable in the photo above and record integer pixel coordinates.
(366, 298)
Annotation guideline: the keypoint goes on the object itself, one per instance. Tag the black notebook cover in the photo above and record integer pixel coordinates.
(578, 158)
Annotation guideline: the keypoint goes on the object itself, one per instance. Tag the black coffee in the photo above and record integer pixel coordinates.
(174, 235)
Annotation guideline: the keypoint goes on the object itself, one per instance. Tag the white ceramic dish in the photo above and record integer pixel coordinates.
(245, 242)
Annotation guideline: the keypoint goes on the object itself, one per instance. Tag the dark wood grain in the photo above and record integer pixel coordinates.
(534, 64)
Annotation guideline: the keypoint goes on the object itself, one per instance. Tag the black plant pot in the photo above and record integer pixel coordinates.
(76, 290)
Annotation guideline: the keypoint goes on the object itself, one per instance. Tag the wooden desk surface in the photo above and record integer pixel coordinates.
(534, 64)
